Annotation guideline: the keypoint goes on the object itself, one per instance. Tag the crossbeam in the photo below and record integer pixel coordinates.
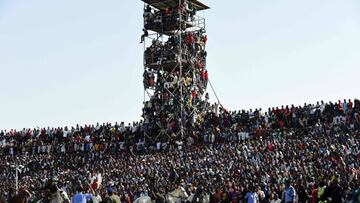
(162, 4)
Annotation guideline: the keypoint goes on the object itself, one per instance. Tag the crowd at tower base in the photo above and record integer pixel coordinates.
(306, 153)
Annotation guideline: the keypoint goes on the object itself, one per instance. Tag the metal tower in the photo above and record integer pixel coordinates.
(175, 75)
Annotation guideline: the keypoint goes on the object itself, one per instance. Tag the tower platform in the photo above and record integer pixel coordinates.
(162, 4)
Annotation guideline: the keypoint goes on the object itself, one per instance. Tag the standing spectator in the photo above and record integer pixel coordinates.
(146, 34)
(275, 198)
(251, 196)
(289, 194)
(111, 196)
(81, 197)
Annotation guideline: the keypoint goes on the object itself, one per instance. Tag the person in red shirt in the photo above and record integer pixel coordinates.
(193, 93)
(204, 39)
(202, 74)
(314, 192)
(95, 184)
(190, 38)
(340, 106)
(166, 11)
(198, 64)
(271, 147)
(349, 104)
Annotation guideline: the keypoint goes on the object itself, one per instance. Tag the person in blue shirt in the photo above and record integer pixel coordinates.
(81, 197)
(289, 193)
(251, 196)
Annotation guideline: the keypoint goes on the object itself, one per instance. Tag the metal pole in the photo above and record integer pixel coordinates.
(144, 63)
(16, 178)
(181, 73)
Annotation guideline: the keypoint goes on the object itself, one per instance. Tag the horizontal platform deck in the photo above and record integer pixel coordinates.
(162, 4)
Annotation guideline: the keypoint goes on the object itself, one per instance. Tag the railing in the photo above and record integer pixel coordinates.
(154, 60)
(198, 23)
(168, 24)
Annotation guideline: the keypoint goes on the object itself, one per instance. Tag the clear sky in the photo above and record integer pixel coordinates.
(67, 62)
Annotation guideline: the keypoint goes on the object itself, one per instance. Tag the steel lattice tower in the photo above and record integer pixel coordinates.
(175, 75)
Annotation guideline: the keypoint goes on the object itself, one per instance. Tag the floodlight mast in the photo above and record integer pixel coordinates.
(175, 75)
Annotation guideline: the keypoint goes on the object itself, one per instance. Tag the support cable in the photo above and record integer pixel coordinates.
(217, 98)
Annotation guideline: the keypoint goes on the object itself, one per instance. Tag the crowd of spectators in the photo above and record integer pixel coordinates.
(169, 18)
(288, 154)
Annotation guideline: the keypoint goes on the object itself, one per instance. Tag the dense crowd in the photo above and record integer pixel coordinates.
(175, 75)
(288, 154)
(168, 18)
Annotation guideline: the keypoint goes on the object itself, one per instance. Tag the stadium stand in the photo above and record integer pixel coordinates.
(302, 154)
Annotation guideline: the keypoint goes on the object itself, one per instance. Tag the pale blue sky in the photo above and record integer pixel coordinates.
(67, 62)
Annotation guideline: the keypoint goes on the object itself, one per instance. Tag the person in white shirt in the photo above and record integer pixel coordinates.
(122, 127)
(65, 132)
(48, 149)
(87, 138)
(158, 146)
(63, 148)
(275, 198)
(96, 198)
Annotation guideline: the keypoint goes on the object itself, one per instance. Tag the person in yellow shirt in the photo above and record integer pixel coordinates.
(111, 196)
